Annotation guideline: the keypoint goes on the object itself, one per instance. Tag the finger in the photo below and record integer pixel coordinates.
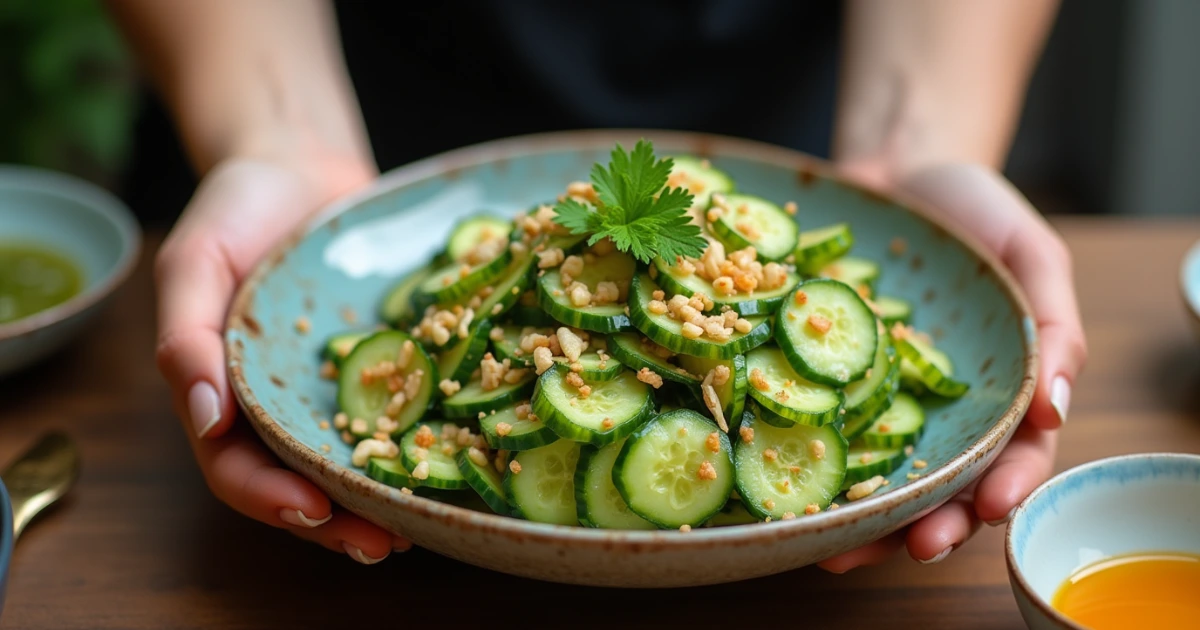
(937, 534)
(1025, 463)
(992, 208)
(867, 555)
(355, 537)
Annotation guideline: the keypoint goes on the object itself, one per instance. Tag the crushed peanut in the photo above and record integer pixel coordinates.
(685, 528)
(325, 448)
(607, 424)
(770, 454)
(920, 463)
(421, 471)
(358, 426)
(449, 387)
(341, 421)
(542, 359)
(820, 324)
(759, 381)
(912, 475)
(713, 442)
(572, 344)
(706, 471)
(328, 371)
(424, 437)
(747, 434)
(787, 516)
(812, 508)
(406, 491)
(650, 378)
(515, 467)
(864, 489)
(769, 504)
(817, 448)
(801, 298)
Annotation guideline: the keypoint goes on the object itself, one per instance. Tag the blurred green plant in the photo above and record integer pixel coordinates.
(67, 88)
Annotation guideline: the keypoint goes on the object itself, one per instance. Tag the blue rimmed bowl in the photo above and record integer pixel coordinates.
(353, 251)
(6, 541)
(80, 221)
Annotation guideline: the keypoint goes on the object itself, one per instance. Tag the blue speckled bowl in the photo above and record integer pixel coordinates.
(6, 541)
(353, 251)
(1121, 505)
(80, 221)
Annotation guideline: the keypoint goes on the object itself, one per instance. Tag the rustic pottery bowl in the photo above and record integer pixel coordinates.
(1189, 283)
(80, 221)
(1128, 504)
(351, 253)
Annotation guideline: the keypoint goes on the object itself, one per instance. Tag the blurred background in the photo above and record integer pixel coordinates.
(1112, 123)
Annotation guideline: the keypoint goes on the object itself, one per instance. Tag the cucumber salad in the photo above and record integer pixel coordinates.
(654, 349)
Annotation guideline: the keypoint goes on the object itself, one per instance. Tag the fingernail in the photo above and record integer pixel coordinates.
(1000, 521)
(358, 555)
(941, 556)
(297, 518)
(205, 408)
(1060, 397)
(401, 545)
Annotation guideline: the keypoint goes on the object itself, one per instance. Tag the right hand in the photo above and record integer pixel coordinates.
(241, 209)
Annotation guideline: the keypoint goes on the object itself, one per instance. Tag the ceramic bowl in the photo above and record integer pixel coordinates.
(6, 541)
(76, 219)
(1189, 284)
(1121, 505)
(352, 252)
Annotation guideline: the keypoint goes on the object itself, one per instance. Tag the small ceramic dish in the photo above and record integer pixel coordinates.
(1189, 284)
(6, 541)
(347, 258)
(1121, 505)
(75, 219)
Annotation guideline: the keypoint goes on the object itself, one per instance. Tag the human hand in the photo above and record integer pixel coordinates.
(983, 203)
(241, 209)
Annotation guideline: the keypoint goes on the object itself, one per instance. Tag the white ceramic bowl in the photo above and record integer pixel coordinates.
(1127, 504)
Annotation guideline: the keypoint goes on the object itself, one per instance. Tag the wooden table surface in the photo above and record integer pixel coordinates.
(141, 543)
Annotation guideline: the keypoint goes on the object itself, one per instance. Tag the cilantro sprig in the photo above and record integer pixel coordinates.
(641, 216)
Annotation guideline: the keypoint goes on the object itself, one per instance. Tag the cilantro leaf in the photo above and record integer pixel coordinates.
(577, 217)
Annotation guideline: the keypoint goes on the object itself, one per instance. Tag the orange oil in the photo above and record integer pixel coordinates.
(1134, 591)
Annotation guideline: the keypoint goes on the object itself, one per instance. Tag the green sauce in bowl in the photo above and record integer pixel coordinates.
(33, 279)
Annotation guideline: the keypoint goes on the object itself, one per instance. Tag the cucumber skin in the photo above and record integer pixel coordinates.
(497, 502)
(410, 463)
(478, 347)
(586, 453)
(522, 442)
(643, 321)
(515, 510)
(787, 416)
(431, 378)
(459, 411)
(857, 472)
(932, 377)
(562, 426)
(858, 423)
(574, 317)
(784, 340)
(825, 252)
(619, 347)
(396, 308)
(388, 477)
(748, 307)
(733, 240)
(461, 288)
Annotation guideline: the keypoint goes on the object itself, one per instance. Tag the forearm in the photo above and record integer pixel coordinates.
(259, 78)
(931, 81)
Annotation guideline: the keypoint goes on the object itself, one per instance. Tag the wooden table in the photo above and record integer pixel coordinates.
(142, 544)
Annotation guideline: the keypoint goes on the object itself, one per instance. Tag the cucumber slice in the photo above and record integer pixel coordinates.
(788, 394)
(397, 306)
(594, 367)
(339, 346)
(459, 361)
(734, 513)
(932, 367)
(732, 393)
(527, 312)
(844, 352)
(699, 178)
(673, 280)
(870, 396)
(456, 281)
(508, 290)
(609, 318)
(632, 351)
(893, 310)
(658, 471)
(668, 332)
(522, 434)
(864, 462)
(625, 401)
(468, 233)
(544, 489)
(818, 248)
(484, 480)
(472, 400)
(368, 402)
(509, 344)
(749, 221)
(784, 470)
(853, 271)
(390, 472)
(902, 424)
(597, 502)
(439, 456)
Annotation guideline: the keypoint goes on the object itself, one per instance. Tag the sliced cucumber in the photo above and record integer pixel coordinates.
(734, 513)
(785, 470)
(458, 362)
(732, 393)
(788, 394)
(368, 402)
(339, 346)
(844, 350)
(390, 472)
(853, 271)
(509, 344)
(623, 404)
(608, 318)
(902, 424)
(529, 313)
(632, 351)
(456, 281)
(544, 489)
(507, 291)
(893, 310)
(932, 367)
(870, 396)
(397, 306)
(442, 469)
(818, 248)
(593, 367)
(472, 400)
(699, 178)
(864, 462)
(470, 232)
(673, 280)
(751, 221)
(668, 332)
(664, 472)
(597, 502)
(484, 480)
(521, 434)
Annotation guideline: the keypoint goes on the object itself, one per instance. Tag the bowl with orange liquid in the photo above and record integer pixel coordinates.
(1112, 544)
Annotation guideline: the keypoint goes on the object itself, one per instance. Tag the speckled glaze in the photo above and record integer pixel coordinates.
(1128, 504)
(354, 250)
(80, 220)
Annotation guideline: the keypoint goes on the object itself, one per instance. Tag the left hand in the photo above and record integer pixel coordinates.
(986, 205)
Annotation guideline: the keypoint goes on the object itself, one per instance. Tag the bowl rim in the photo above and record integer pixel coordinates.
(448, 164)
(1016, 576)
(95, 199)
(1191, 295)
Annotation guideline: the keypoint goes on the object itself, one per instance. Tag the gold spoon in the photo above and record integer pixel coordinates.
(40, 477)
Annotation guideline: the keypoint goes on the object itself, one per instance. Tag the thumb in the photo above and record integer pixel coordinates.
(987, 205)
